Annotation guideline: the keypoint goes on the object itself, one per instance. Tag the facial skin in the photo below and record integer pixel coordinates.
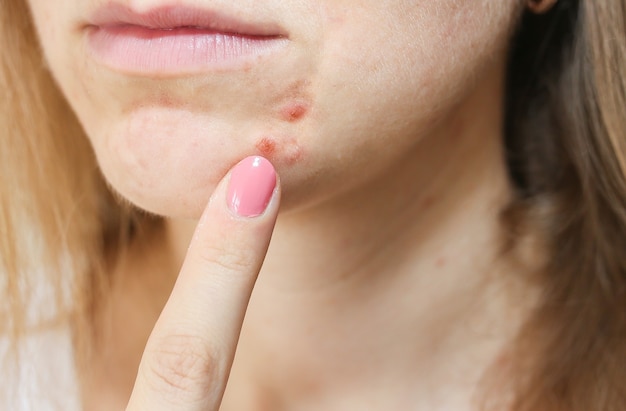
(386, 115)
(357, 89)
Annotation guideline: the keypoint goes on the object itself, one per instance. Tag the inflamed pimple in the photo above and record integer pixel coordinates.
(283, 151)
(294, 111)
(266, 147)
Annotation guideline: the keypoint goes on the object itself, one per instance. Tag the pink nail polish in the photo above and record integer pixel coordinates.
(252, 183)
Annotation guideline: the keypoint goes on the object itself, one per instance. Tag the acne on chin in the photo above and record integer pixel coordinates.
(284, 151)
(294, 111)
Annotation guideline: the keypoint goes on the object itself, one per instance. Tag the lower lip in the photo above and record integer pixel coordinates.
(140, 50)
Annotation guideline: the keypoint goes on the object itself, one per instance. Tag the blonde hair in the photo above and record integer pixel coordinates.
(565, 129)
(58, 220)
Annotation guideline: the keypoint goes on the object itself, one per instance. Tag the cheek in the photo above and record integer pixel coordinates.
(51, 24)
(403, 63)
(387, 79)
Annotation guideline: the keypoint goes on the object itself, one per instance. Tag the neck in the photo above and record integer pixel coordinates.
(389, 279)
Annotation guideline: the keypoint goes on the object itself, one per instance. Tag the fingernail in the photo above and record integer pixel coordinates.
(252, 183)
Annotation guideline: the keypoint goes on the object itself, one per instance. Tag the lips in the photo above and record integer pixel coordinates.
(175, 40)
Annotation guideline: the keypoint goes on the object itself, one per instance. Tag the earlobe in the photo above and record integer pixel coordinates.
(540, 6)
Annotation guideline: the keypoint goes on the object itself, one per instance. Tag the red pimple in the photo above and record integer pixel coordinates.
(293, 112)
(266, 146)
(283, 150)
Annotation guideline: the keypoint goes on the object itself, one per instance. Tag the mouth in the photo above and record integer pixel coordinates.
(177, 40)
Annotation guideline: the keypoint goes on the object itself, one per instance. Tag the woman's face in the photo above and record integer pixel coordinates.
(172, 93)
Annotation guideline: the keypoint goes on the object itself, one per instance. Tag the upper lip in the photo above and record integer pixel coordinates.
(168, 17)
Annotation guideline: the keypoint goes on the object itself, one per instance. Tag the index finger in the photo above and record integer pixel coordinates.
(187, 359)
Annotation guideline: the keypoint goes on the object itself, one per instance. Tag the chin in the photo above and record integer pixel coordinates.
(164, 162)
(168, 162)
(165, 193)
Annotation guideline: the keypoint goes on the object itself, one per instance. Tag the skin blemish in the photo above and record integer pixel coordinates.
(293, 152)
(266, 147)
(285, 151)
(294, 102)
(293, 112)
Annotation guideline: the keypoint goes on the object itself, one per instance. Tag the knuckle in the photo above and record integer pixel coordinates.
(183, 369)
(226, 259)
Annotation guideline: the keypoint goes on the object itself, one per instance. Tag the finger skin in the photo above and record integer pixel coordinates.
(187, 359)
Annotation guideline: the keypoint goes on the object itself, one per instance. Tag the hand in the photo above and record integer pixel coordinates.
(187, 359)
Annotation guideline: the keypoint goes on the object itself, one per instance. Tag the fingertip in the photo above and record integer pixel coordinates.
(251, 187)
